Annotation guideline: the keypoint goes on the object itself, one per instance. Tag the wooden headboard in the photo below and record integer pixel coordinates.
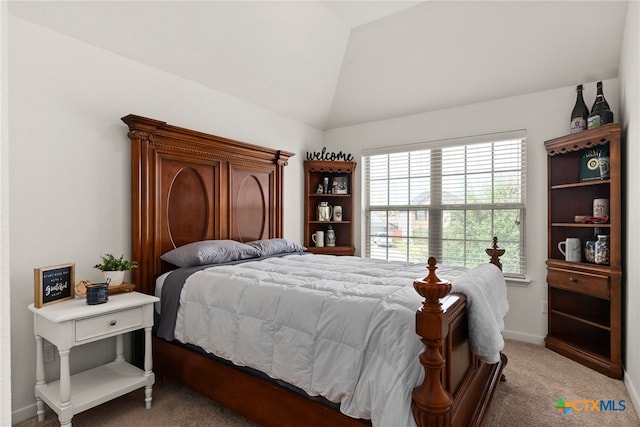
(188, 186)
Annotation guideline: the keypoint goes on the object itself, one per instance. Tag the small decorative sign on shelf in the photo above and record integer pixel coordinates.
(329, 156)
(340, 185)
(594, 163)
(53, 284)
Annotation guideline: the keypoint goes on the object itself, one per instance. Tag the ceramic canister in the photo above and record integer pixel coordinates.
(331, 237)
(337, 213)
(600, 207)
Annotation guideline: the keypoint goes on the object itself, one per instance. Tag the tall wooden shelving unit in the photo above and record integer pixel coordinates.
(314, 172)
(584, 299)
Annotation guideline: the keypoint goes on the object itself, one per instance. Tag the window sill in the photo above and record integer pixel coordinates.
(517, 282)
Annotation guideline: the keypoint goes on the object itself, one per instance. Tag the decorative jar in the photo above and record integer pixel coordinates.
(602, 249)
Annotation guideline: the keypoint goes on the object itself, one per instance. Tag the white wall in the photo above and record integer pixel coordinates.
(69, 165)
(5, 294)
(544, 115)
(629, 76)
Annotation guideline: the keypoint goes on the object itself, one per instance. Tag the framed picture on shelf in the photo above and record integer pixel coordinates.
(53, 284)
(340, 185)
(594, 163)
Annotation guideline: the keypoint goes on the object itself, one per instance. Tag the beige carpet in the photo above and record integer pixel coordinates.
(536, 379)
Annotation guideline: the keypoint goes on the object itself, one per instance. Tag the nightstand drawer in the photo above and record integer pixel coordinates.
(586, 283)
(108, 324)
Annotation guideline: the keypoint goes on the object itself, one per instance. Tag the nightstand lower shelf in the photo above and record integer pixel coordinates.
(97, 386)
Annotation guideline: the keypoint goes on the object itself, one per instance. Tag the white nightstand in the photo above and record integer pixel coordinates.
(71, 323)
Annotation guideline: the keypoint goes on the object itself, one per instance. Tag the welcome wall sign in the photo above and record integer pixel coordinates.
(329, 155)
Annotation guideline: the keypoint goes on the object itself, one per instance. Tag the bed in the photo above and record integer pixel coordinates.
(187, 187)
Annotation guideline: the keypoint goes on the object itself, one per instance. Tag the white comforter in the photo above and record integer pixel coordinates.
(339, 327)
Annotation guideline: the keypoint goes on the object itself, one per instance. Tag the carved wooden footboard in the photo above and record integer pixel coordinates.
(188, 186)
(457, 388)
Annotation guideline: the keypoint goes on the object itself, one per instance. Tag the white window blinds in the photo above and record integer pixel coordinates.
(447, 199)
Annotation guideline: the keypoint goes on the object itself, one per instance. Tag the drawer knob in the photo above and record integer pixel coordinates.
(573, 279)
(113, 323)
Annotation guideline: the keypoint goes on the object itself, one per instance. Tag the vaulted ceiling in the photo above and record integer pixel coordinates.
(336, 63)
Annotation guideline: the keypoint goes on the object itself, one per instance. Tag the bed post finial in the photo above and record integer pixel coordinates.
(431, 403)
(431, 287)
(495, 253)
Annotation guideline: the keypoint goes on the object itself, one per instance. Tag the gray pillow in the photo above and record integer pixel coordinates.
(209, 252)
(268, 247)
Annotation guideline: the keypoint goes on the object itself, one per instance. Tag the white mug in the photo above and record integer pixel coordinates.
(337, 213)
(600, 207)
(572, 249)
(318, 238)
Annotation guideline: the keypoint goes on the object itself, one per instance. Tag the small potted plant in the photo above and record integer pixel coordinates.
(114, 268)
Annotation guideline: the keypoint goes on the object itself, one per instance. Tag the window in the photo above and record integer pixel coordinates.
(447, 199)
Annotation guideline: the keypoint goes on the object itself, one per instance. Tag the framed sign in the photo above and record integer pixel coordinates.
(594, 163)
(53, 284)
(340, 185)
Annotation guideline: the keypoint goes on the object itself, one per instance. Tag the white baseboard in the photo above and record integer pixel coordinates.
(633, 391)
(519, 336)
(23, 414)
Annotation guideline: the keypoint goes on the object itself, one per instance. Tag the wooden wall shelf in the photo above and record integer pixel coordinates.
(314, 173)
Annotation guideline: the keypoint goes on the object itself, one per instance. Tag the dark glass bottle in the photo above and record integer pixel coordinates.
(600, 92)
(579, 113)
(601, 114)
(590, 246)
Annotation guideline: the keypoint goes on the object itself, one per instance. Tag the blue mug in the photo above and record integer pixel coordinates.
(97, 293)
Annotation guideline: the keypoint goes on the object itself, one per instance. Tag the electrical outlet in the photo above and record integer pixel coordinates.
(49, 353)
(544, 307)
